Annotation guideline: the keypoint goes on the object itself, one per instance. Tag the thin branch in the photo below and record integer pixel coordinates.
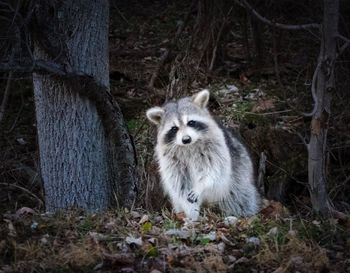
(286, 172)
(25, 190)
(342, 49)
(248, 7)
(344, 46)
(269, 113)
(39, 66)
(16, 12)
(120, 13)
(313, 91)
(213, 58)
(13, 126)
(345, 39)
(167, 53)
(262, 172)
(303, 140)
(275, 59)
(6, 96)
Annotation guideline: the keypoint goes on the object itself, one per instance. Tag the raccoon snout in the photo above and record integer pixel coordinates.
(186, 139)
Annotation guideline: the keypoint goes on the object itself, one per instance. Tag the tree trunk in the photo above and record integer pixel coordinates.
(320, 119)
(78, 157)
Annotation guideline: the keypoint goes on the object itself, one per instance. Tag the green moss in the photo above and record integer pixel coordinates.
(170, 224)
(152, 251)
(86, 225)
(133, 124)
(146, 227)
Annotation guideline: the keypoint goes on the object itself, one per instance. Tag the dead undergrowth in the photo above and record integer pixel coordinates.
(139, 241)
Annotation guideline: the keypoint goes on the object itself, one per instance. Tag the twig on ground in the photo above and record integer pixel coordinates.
(269, 113)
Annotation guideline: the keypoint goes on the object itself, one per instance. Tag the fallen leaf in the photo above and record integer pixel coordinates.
(280, 270)
(132, 240)
(135, 214)
(21, 141)
(292, 233)
(342, 218)
(152, 241)
(244, 79)
(97, 237)
(273, 232)
(180, 233)
(274, 209)
(242, 260)
(223, 238)
(211, 236)
(316, 223)
(120, 258)
(180, 216)
(11, 228)
(144, 218)
(263, 105)
(213, 264)
(155, 271)
(253, 240)
(111, 224)
(230, 220)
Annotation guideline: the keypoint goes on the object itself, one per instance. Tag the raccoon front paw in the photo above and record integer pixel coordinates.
(192, 197)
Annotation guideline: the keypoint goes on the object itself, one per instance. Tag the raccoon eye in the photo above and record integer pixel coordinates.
(174, 129)
(191, 123)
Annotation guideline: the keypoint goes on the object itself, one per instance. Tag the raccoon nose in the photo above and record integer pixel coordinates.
(186, 140)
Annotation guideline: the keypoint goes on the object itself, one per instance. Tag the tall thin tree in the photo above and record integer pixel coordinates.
(323, 86)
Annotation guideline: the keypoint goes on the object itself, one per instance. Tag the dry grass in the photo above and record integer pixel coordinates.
(142, 241)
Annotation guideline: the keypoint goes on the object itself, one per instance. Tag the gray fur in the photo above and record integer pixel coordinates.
(214, 168)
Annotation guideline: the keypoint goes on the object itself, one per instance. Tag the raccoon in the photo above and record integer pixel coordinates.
(201, 161)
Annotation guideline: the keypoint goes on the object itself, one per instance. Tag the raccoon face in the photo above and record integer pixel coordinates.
(183, 122)
(184, 130)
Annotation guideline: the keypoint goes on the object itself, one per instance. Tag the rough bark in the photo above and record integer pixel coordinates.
(319, 124)
(84, 159)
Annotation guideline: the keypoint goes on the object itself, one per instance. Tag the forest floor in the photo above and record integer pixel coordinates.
(152, 239)
(139, 241)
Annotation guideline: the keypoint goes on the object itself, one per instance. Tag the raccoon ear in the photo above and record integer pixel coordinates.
(155, 115)
(201, 99)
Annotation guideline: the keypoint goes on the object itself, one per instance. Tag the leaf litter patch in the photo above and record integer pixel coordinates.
(141, 241)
